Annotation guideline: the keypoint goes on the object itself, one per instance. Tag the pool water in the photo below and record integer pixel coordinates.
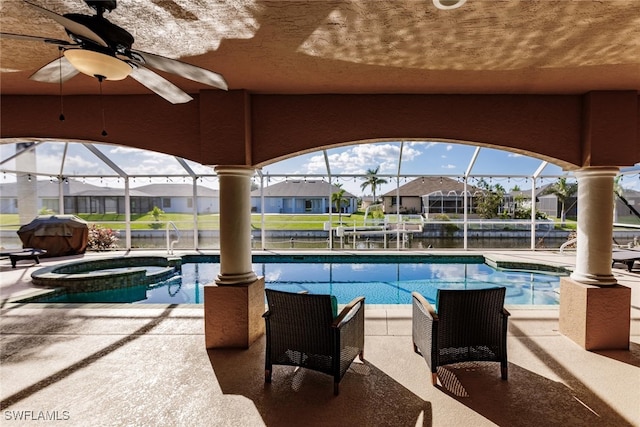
(380, 283)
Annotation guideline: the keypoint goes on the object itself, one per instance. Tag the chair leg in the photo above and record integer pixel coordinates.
(267, 375)
(434, 378)
(503, 371)
(415, 349)
(361, 355)
(336, 388)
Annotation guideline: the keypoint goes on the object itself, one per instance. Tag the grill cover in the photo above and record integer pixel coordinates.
(59, 234)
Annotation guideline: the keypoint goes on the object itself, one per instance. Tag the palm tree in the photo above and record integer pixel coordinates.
(372, 180)
(338, 200)
(563, 191)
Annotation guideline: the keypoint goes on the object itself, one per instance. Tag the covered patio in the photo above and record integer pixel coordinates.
(554, 79)
(147, 365)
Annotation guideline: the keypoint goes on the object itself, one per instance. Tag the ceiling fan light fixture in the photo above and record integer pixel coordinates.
(98, 64)
(448, 4)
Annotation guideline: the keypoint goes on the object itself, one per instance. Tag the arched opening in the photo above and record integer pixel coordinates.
(427, 195)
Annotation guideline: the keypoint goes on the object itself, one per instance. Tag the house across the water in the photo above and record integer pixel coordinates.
(80, 197)
(301, 196)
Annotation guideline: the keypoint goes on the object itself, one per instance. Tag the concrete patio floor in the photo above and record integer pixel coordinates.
(113, 365)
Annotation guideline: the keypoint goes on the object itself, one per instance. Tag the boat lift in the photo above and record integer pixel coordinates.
(402, 230)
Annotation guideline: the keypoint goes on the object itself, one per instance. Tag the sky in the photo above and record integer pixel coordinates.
(418, 159)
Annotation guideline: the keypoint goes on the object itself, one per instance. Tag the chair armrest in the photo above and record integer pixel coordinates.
(428, 308)
(347, 332)
(348, 312)
(424, 329)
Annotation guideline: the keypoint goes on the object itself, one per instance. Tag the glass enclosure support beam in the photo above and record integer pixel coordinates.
(398, 244)
(105, 159)
(194, 205)
(533, 213)
(467, 173)
(20, 150)
(61, 179)
(263, 234)
(127, 212)
(263, 239)
(326, 161)
(61, 195)
(194, 187)
(534, 178)
(465, 214)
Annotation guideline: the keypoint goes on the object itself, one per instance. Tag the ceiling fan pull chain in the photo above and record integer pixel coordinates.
(61, 117)
(100, 79)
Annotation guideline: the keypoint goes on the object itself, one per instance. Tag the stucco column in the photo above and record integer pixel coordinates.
(235, 225)
(27, 184)
(234, 304)
(595, 230)
(595, 311)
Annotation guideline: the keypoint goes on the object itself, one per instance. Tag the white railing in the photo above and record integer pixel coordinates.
(567, 243)
(170, 242)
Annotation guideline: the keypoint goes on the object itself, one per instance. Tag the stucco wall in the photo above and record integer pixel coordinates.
(238, 128)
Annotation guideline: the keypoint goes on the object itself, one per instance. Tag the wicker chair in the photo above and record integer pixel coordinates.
(470, 325)
(302, 331)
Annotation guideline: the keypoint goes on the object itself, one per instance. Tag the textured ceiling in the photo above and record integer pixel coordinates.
(368, 46)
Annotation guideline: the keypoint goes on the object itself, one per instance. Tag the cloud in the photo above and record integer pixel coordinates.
(449, 166)
(143, 162)
(421, 144)
(79, 163)
(360, 158)
(122, 150)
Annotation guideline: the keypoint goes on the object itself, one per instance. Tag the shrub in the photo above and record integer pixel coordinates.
(449, 229)
(377, 214)
(102, 239)
(156, 212)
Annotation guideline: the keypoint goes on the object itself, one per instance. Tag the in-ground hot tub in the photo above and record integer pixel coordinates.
(106, 274)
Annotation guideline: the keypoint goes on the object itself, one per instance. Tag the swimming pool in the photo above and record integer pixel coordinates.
(380, 282)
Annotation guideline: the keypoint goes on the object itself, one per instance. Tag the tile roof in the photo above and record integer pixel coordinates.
(176, 190)
(300, 188)
(429, 184)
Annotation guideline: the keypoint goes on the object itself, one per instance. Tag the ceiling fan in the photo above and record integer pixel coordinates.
(104, 50)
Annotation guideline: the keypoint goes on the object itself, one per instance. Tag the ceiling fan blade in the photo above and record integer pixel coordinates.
(55, 71)
(159, 85)
(180, 68)
(35, 39)
(72, 26)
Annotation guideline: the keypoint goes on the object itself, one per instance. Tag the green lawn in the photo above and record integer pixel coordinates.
(304, 222)
(205, 221)
(211, 221)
